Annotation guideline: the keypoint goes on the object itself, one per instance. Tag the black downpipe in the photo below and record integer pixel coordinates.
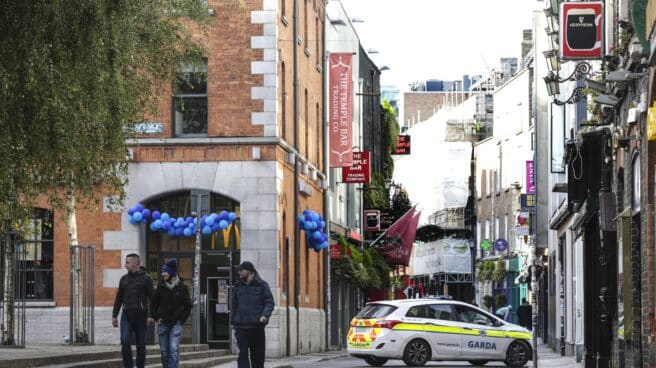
(326, 201)
(297, 243)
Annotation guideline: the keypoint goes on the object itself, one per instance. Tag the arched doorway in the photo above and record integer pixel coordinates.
(219, 254)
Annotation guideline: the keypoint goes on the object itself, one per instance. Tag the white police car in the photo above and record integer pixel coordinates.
(419, 330)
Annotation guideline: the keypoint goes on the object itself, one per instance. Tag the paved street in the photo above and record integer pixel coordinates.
(337, 359)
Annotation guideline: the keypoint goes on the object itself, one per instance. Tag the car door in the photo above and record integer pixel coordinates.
(479, 335)
(443, 331)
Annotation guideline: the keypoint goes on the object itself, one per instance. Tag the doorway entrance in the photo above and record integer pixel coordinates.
(219, 254)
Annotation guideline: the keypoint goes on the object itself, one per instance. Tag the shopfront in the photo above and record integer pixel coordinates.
(220, 252)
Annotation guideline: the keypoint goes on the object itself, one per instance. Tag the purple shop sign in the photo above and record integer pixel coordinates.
(530, 184)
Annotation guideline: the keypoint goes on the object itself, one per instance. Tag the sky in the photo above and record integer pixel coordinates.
(439, 39)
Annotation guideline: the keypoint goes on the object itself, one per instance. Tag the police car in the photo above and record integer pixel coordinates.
(419, 330)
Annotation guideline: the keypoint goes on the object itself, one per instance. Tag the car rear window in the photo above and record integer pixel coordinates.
(375, 311)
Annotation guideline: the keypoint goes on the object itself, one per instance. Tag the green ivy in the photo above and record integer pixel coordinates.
(500, 273)
(363, 269)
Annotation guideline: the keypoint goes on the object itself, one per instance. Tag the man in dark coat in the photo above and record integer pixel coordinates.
(133, 296)
(170, 307)
(525, 315)
(252, 305)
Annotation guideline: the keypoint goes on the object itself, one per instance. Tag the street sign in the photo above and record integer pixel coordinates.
(335, 251)
(372, 220)
(581, 30)
(402, 145)
(527, 203)
(360, 171)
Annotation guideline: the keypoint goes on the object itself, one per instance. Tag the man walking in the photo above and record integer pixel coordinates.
(252, 305)
(133, 297)
(170, 307)
(525, 314)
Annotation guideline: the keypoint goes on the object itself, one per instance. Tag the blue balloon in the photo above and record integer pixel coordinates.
(317, 248)
(144, 220)
(158, 224)
(202, 219)
(315, 216)
(166, 225)
(223, 215)
(210, 220)
(232, 216)
(308, 217)
(178, 232)
(146, 213)
(324, 245)
(139, 207)
(189, 219)
(207, 230)
(322, 224)
(131, 211)
(215, 227)
(187, 232)
(165, 216)
(132, 221)
(171, 232)
(317, 235)
(137, 216)
(156, 215)
(307, 225)
(223, 224)
(305, 212)
(191, 225)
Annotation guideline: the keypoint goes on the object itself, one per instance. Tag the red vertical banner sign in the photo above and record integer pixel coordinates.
(341, 109)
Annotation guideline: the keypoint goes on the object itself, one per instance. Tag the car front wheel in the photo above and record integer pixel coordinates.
(375, 361)
(477, 363)
(416, 353)
(517, 354)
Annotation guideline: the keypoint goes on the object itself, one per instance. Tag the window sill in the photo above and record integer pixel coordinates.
(40, 304)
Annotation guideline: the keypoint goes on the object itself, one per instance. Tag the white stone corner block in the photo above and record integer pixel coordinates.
(263, 42)
(121, 240)
(270, 130)
(263, 118)
(263, 16)
(111, 277)
(270, 5)
(263, 67)
(263, 93)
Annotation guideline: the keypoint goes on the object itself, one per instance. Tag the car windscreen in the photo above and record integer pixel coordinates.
(375, 311)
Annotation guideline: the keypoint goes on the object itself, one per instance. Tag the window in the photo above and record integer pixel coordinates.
(418, 311)
(469, 315)
(505, 226)
(497, 235)
(487, 229)
(190, 100)
(376, 311)
(317, 41)
(283, 84)
(440, 311)
(34, 257)
(635, 187)
(318, 135)
(488, 184)
(307, 125)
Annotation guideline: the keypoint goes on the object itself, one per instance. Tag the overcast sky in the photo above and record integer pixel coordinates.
(440, 39)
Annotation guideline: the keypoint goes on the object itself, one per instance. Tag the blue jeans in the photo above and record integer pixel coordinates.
(169, 344)
(137, 324)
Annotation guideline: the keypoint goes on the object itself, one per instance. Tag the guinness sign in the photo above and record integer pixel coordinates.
(581, 30)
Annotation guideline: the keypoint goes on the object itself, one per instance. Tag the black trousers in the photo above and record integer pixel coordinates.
(250, 339)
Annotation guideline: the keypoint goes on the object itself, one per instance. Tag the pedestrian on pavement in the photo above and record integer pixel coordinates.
(170, 307)
(133, 297)
(252, 305)
(525, 314)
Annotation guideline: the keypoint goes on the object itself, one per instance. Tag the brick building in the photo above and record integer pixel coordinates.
(230, 134)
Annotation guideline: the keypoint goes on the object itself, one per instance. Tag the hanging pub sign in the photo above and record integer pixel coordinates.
(581, 30)
(402, 145)
(340, 92)
(360, 171)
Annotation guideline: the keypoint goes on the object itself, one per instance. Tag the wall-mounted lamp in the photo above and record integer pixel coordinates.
(609, 100)
(552, 60)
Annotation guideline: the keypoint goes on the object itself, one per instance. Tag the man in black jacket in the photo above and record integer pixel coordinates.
(133, 297)
(252, 305)
(525, 314)
(170, 307)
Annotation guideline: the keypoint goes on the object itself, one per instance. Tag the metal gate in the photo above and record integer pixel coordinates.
(82, 299)
(13, 281)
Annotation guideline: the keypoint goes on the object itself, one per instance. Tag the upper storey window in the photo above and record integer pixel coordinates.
(190, 100)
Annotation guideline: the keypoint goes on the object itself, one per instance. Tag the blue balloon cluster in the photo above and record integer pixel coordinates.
(180, 226)
(312, 223)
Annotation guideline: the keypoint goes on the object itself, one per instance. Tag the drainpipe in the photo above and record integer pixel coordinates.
(326, 197)
(297, 243)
